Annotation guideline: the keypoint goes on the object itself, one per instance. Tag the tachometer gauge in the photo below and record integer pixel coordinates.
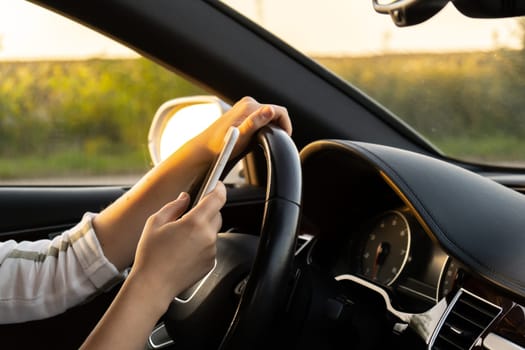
(387, 248)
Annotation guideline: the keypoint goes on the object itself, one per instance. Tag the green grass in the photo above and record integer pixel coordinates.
(73, 163)
(493, 149)
(470, 105)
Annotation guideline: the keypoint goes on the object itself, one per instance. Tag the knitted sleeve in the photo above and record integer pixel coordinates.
(44, 278)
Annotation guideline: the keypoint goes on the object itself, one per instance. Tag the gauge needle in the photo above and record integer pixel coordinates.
(381, 253)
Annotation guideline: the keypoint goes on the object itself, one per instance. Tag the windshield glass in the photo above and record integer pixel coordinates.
(457, 81)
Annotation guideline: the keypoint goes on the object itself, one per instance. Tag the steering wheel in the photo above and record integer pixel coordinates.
(239, 301)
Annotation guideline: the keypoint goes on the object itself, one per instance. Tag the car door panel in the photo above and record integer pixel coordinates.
(30, 213)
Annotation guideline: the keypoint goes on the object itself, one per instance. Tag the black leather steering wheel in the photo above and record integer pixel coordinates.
(241, 298)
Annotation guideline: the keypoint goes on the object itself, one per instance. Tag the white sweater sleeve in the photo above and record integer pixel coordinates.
(44, 278)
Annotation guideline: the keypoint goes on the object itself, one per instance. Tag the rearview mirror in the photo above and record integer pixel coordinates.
(490, 8)
(178, 120)
(409, 12)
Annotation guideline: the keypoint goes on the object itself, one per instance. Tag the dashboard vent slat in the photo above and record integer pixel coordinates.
(464, 321)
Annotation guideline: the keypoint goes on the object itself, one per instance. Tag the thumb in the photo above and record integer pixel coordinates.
(174, 209)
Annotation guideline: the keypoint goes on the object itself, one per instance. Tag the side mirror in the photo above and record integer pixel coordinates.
(178, 120)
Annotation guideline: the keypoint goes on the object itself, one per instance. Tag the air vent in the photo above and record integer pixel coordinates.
(466, 318)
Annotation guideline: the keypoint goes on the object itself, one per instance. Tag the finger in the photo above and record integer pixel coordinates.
(211, 203)
(172, 210)
(247, 104)
(265, 115)
(282, 119)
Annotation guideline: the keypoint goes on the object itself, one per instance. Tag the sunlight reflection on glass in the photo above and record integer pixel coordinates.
(185, 124)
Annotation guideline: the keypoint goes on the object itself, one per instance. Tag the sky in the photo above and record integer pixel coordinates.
(334, 27)
(28, 31)
(354, 27)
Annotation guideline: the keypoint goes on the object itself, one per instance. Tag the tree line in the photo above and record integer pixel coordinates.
(468, 104)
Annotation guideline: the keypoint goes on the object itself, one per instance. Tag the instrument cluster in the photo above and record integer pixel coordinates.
(393, 251)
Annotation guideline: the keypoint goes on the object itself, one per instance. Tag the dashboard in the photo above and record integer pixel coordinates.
(368, 228)
(392, 250)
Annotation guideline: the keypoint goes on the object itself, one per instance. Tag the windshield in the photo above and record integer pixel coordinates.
(457, 81)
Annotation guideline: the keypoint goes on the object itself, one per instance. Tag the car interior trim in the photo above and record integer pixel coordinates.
(495, 342)
(304, 240)
(406, 201)
(166, 340)
(447, 312)
(404, 316)
(418, 293)
(442, 275)
(180, 299)
(422, 324)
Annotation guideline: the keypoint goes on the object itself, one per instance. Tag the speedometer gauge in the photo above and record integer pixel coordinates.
(386, 249)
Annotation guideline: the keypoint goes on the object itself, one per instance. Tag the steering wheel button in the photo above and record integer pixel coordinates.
(159, 338)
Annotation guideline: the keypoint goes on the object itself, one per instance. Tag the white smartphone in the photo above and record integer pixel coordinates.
(215, 171)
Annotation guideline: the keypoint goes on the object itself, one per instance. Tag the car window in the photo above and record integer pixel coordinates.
(457, 81)
(75, 106)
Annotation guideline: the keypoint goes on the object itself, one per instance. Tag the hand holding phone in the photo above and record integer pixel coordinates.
(215, 171)
(209, 183)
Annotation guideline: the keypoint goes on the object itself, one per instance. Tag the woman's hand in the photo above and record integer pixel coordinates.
(175, 251)
(249, 116)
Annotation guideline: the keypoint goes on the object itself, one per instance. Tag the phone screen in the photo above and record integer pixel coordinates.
(215, 171)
